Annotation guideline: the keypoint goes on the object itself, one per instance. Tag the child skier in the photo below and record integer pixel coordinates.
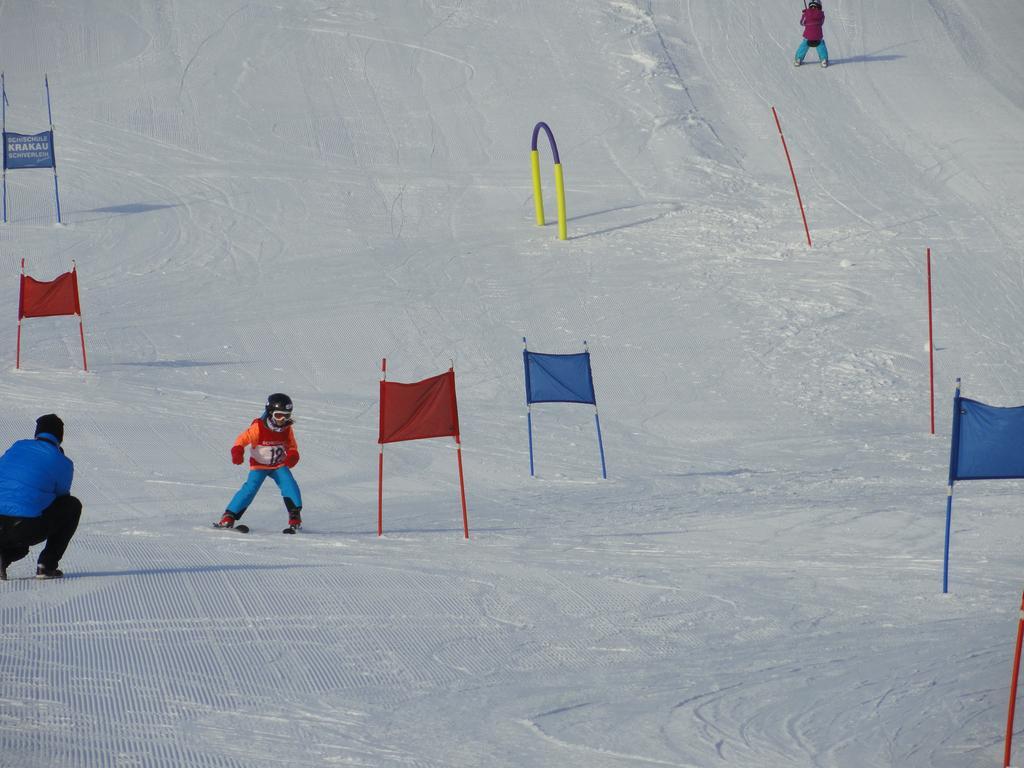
(272, 453)
(812, 20)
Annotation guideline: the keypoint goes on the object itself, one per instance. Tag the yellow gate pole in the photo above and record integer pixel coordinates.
(538, 197)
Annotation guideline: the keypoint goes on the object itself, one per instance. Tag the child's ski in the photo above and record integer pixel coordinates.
(241, 528)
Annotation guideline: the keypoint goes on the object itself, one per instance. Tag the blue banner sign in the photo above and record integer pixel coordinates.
(28, 150)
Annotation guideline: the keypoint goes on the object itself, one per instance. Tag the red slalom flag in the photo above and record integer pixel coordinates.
(39, 298)
(46, 299)
(415, 411)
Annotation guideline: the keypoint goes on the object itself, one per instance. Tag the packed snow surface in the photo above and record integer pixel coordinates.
(276, 196)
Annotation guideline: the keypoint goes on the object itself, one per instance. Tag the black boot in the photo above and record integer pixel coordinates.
(42, 572)
(294, 516)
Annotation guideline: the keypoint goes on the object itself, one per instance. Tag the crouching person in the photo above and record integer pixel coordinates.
(36, 504)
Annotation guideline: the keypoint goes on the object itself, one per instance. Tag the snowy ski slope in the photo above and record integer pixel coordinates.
(267, 197)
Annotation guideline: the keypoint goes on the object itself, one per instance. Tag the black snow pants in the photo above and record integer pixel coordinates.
(56, 525)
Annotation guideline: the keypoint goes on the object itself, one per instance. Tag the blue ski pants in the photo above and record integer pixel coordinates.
(801, 51)
(282, 476)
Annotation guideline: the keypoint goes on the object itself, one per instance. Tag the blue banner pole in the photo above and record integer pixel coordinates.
(53, 149)
(597, 421)
(529, 412)
(954, 451)
(3, 101)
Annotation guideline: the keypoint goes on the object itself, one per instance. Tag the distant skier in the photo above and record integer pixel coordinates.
(36, 504)
(812, 19)
(272, 453)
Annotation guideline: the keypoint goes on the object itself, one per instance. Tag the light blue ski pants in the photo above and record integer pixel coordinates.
(801, 51)
(282, 476)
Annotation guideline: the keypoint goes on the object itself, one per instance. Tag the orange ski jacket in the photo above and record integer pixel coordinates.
(267, 447)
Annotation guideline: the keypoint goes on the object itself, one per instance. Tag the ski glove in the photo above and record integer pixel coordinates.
(237, 454)
(291, 458)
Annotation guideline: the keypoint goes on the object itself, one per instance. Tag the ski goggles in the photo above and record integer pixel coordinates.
(280, 416)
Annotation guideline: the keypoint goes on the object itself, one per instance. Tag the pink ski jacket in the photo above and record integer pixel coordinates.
(812, 20)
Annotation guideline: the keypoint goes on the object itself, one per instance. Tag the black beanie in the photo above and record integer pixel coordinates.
(51, 425)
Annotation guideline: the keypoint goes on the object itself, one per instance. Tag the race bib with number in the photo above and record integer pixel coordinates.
(268, 454)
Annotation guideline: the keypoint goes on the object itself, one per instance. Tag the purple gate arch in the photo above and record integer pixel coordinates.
(542, 126)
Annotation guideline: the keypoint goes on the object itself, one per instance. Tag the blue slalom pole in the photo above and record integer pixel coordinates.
(597, 421)
(529, 432)
(945, 557)
(954, 453)
(529, 412)
(53, 148)
(4, 102)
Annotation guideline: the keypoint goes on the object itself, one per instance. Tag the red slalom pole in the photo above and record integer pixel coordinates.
(1013, 685)
(380, 460)
(793, 174)
(462, 488)
(931, 344)
(21, 305)
(78, 311)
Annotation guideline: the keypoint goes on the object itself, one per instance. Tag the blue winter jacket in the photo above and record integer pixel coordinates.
(32, 474)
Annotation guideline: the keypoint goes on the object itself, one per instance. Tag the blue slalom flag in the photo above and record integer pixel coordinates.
(988, 442)
(558, 378)
(28, 150)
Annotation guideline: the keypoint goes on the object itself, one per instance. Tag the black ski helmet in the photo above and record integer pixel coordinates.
(278, 402)
(814, 4)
